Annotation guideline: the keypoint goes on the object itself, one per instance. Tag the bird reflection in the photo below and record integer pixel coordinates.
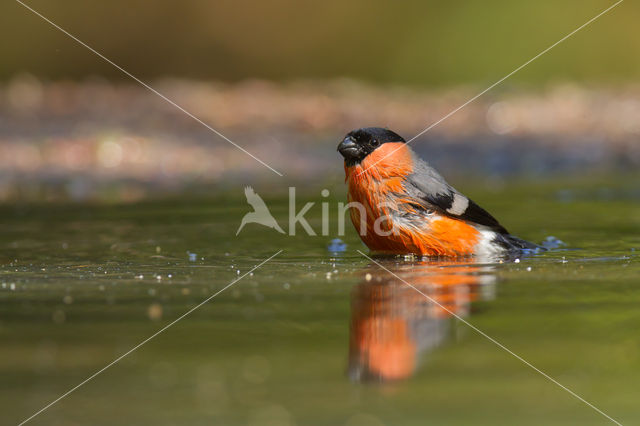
(393, 324)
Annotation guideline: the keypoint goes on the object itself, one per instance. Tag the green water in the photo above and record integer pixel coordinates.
(311, 337)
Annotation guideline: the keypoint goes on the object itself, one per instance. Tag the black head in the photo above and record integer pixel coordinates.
(359, 143)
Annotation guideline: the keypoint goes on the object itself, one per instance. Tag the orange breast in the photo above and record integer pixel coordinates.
(376, 185)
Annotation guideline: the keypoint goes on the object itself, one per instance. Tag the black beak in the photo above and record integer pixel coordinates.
(349, 148)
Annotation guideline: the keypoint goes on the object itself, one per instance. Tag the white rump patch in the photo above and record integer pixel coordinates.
(485, 248)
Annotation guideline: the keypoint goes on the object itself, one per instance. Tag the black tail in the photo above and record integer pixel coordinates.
(515, 244)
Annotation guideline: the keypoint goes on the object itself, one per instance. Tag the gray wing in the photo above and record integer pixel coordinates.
(428, 186)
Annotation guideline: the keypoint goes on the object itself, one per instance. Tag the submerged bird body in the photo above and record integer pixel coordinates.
(401, 205)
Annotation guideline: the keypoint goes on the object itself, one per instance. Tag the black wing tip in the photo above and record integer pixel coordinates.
(476, 214)
(473, 213)
(515, 244)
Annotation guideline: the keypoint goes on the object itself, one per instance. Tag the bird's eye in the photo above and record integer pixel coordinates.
(375, 142)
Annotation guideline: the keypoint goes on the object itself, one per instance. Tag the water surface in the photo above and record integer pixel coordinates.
(314, 337)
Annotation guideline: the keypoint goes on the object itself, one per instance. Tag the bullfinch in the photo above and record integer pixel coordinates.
(401, 205)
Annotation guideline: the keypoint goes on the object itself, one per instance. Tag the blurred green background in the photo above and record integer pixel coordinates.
(422, 43)
(286, 80)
